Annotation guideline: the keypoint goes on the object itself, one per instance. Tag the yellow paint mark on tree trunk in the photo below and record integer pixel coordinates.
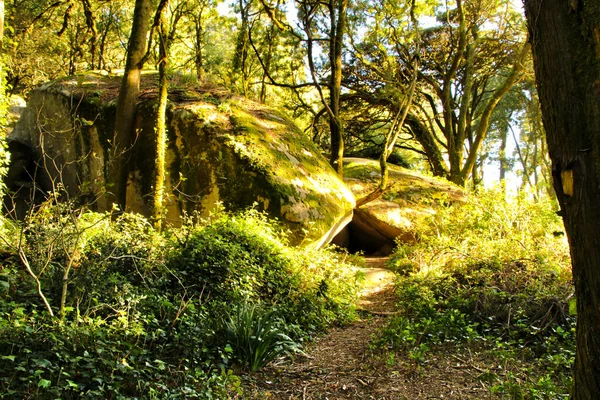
(566, 177)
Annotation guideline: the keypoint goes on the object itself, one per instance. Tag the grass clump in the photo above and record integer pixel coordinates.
(493, 275)
(147, 314)
(255, 336)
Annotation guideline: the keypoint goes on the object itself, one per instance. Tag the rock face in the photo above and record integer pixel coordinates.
(222, 150)
(395, 216)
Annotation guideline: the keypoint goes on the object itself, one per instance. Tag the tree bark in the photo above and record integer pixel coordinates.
(126, 104)
(455, 145)
(161, 129)
(271, 43)
(337, 11)
(565, 37)
(426, 139)
(90, 21)
(240, 59)
(198, 47)
(502, 156)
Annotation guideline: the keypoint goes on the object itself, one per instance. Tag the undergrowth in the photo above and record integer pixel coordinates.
(151, 315)
(494, 276)
(256, 336)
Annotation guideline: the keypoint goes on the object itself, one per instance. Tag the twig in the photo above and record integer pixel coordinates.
(25, 262)
(469, 364)
(182, 306)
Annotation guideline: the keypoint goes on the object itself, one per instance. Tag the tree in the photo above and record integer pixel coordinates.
(52, 39)
(471, 62)
(166, 31)
(198, 15)
(4, 157)
(240, 64)
(532, 151)
(337, 15)
(322, 28)
(1, 25)
(395, 127)
(165, 38)
(565, 38)
(127, 101)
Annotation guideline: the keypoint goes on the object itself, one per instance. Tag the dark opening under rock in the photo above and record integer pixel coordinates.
(404, 209)
(370, 235)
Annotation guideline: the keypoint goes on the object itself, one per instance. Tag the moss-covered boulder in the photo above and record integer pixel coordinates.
(407, 203)
(221, 150)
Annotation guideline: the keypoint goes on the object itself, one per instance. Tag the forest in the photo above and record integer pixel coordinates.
(389, 199)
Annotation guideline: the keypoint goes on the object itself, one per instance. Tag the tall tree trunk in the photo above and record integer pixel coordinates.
(391, 138)
(271, 42)
(124, 134)
(426, 139)
(502, 155)
(337, 11)
(1, 27)
(486, 116)
(198, 47)
(523, 160)
(90, 21)
(102, 47)
(2, 80)
(241, 49)
(534, 167)
(161, 129)
(565, 36)
(455, 145)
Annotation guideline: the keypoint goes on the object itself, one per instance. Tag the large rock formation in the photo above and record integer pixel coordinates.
(221, 150)
(397, 215)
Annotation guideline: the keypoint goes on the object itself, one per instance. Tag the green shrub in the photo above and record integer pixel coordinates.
(144, 311)
(255, 336)
(123, 335)
(245, 256)
(492, 272)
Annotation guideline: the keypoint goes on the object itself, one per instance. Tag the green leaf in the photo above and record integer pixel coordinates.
(161, 365)
(4, 284)
(42, 362)
(44, 383)
(573, 306)
(11, 358)
(72, 384)
(19, 311)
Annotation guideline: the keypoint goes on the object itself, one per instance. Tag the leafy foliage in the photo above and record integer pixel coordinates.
(255, 337)
(494, 275)
(466, 52)
(145, 311)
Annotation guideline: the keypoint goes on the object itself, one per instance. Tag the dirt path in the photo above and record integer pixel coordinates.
(340, 365)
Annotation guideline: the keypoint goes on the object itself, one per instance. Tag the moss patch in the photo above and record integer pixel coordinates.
(307, 188)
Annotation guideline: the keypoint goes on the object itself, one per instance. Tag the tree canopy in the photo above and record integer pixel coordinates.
(342, 69)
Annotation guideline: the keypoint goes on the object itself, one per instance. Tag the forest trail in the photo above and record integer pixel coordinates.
(341, 365)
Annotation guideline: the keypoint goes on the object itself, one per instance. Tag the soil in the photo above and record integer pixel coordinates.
(342, 365)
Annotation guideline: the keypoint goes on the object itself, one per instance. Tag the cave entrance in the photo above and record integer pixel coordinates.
(367, 234)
